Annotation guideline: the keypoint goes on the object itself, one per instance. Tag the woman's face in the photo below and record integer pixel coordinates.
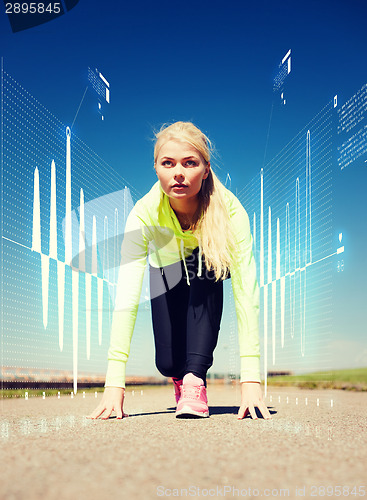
(181, 169)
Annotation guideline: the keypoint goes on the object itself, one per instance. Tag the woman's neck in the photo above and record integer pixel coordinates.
(185, 210)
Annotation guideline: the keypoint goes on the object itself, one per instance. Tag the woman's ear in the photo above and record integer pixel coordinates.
(207, 170)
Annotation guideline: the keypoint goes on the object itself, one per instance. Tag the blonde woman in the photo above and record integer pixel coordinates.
(196, 234)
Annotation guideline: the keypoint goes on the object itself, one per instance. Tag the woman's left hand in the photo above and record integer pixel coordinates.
(251, 396)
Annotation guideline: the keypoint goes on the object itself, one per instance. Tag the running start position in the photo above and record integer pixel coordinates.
(197, 234)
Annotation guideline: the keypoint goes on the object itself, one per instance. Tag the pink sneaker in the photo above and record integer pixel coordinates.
(193, 401)
(178, 387)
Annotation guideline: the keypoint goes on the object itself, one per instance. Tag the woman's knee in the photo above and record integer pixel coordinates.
(166, 367)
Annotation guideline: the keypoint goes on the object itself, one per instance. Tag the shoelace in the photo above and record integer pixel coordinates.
(177, 386)
(191, 391)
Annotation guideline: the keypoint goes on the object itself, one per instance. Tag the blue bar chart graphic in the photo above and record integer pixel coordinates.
(63, 216)
(59, 264)
(290, 205)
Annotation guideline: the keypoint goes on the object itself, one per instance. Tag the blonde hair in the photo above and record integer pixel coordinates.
(218, 247)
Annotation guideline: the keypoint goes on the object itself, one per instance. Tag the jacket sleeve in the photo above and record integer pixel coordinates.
(133, 262)
(246, 295)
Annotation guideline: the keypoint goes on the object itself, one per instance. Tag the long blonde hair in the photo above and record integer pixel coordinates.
(218, 246)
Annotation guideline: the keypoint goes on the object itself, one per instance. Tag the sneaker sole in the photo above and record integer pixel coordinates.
(187, 411)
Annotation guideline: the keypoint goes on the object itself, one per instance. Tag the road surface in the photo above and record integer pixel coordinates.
(314, 446)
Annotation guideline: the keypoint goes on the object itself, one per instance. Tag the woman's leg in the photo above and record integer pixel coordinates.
(186, 319)
(169, 300)
(204, 315)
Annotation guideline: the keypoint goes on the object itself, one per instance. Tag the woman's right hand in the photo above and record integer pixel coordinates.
(113, 399)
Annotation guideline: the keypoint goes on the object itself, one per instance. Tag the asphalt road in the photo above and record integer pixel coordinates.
(314, 446)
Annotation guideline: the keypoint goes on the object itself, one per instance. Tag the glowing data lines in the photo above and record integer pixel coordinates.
(352, 129)
(283, 71)
(261, 227)
(45, 259)
(68, 236)
(56, 193)
(287, 59)
(308, 250)
(36, 244)
(36, 233)
(81, 233)
(288, 256)
(340, 264)
(254, 233)
(53, 216)
(76, 266)
(101, 87)
(287, 267)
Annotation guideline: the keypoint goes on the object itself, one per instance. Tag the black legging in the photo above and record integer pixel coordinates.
(186, 319)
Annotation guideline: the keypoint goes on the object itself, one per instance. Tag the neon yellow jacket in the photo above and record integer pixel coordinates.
(152, 229)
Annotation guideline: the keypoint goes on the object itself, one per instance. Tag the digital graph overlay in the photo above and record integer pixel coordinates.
(49, 175)
(101, 87)
(352, 130)
(63, 215)
(290, 208)
(283, 70)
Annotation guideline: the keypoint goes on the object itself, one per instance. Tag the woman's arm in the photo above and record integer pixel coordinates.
(251, 396)
(113, 399)
(246, 294)
(247, 302)
(131, 273)
(134, 250)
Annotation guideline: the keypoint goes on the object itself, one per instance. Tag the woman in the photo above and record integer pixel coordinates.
(196, 233)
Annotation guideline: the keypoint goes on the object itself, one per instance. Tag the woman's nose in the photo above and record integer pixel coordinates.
(178, 172)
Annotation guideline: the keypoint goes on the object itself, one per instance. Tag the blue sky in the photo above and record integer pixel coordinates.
(211, 63)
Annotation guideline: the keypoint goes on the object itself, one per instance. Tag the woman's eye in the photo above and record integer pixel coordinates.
(167, 163)
(191, 163)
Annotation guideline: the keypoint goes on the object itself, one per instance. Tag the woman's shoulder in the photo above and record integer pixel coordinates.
(239, 218)
(228, 195)
(233, 204)
(146, 205)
